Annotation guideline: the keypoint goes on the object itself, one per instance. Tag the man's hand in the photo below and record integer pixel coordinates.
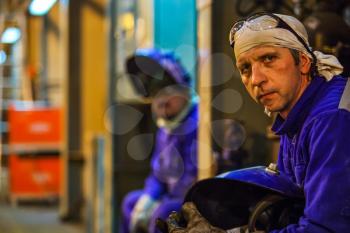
(195, 222)
(142, 212)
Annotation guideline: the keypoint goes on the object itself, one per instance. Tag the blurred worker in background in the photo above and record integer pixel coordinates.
(282, 73)
(160, 76)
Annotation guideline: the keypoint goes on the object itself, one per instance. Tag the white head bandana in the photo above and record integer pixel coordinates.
(246, 39)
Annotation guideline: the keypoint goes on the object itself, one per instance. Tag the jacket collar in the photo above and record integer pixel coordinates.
(295, 119)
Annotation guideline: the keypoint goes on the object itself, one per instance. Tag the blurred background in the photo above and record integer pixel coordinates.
(76, 137)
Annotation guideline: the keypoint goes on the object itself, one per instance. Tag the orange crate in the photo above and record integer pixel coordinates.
(34, 142)
(34, 176)
(35, 125)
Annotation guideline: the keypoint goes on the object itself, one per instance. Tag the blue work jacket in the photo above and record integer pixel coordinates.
(174, 160)
(315, 154)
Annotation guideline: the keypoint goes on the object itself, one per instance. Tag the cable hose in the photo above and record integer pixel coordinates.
(260, 207)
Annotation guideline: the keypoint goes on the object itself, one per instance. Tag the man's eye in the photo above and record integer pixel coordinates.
(269, 58)
(244, 69)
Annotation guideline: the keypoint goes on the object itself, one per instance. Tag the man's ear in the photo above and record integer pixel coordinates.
(305, 63)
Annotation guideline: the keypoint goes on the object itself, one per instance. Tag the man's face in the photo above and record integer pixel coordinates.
(168, 105)
(272, 78)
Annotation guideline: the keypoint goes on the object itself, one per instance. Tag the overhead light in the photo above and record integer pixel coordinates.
(40, 7)
(127, 21)
(10, 35)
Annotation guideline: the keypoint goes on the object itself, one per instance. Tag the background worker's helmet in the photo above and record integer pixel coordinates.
(259, 197)
(151, 70)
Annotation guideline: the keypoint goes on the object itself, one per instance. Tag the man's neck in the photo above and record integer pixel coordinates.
(302, 87)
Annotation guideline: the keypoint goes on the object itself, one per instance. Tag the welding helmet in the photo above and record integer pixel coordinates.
(150, 70)
(260, 197)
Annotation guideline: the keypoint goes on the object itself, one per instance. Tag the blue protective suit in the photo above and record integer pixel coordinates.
(173, 170)
(315, 154)
(174, 161)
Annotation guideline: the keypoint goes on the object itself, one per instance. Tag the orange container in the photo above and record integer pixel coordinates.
(35, 125)
(34, 176)
(34, 142)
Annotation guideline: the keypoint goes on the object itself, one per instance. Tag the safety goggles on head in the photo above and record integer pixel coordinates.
(265, 21)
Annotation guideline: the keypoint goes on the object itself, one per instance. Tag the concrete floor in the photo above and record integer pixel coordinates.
(34, 219)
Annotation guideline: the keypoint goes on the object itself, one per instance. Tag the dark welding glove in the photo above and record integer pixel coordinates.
(195, 222)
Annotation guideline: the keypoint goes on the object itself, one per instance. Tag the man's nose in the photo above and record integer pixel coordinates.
(258, 76)
(162, 104)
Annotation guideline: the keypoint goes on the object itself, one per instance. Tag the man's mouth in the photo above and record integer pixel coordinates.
(264, 96)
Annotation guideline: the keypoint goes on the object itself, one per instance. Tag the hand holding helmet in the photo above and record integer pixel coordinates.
(195, 221)
(191, 221)
(256, 199)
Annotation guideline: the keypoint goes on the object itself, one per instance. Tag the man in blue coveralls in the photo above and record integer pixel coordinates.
(160, 76)
(312, 101)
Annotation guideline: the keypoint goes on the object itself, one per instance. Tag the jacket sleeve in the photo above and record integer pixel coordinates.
(189, 156)
(327, 176)
(153, 186)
